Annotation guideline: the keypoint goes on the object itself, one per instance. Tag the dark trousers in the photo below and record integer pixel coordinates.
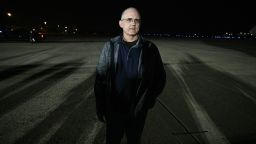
(118, 125)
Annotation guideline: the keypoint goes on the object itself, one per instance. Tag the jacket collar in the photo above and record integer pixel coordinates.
(138, 44)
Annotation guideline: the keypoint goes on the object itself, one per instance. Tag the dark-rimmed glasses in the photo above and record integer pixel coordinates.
(130, 20)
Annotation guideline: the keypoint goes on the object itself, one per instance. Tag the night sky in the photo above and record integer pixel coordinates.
(157, 16)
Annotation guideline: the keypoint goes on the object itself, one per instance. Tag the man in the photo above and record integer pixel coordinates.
(129, 77)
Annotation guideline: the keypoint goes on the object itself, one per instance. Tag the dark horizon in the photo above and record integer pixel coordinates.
(160, 16)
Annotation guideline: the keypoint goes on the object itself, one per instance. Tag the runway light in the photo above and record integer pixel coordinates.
(9, 14)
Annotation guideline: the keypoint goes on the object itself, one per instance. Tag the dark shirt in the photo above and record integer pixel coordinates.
(127, 75)
(130, 44)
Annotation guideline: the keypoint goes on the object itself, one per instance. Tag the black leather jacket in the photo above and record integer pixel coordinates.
(151, 71)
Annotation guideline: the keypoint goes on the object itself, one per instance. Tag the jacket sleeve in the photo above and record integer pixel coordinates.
(101, 80)
(159, 78)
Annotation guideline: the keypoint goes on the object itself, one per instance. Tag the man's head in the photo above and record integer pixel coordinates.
(130, 21)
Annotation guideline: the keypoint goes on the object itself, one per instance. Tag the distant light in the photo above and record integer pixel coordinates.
(58, 26)
(45, 22)
(9, 14)
(1, 31)
(66, 27)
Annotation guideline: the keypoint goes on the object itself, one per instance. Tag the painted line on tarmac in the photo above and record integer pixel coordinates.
(187, 132)
(54, 129)
(92, 136)
(214, 135)
(247, 95)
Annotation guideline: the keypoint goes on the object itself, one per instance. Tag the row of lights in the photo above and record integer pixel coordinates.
(9, 14)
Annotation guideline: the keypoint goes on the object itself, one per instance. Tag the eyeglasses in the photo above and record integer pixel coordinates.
(130, 20)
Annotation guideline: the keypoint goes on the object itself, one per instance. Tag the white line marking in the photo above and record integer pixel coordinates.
(91, 137)
(214, 135)
(247, 95)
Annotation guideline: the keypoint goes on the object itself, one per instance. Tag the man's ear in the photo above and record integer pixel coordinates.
(121, 23)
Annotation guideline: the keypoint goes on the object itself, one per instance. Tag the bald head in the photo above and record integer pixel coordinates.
(130, 23)
(130, 11)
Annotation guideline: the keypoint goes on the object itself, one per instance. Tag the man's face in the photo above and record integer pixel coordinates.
(130, 22)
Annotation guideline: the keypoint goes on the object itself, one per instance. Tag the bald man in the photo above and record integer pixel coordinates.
(129, 77)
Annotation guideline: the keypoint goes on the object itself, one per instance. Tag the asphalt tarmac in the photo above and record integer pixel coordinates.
(46, 93)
